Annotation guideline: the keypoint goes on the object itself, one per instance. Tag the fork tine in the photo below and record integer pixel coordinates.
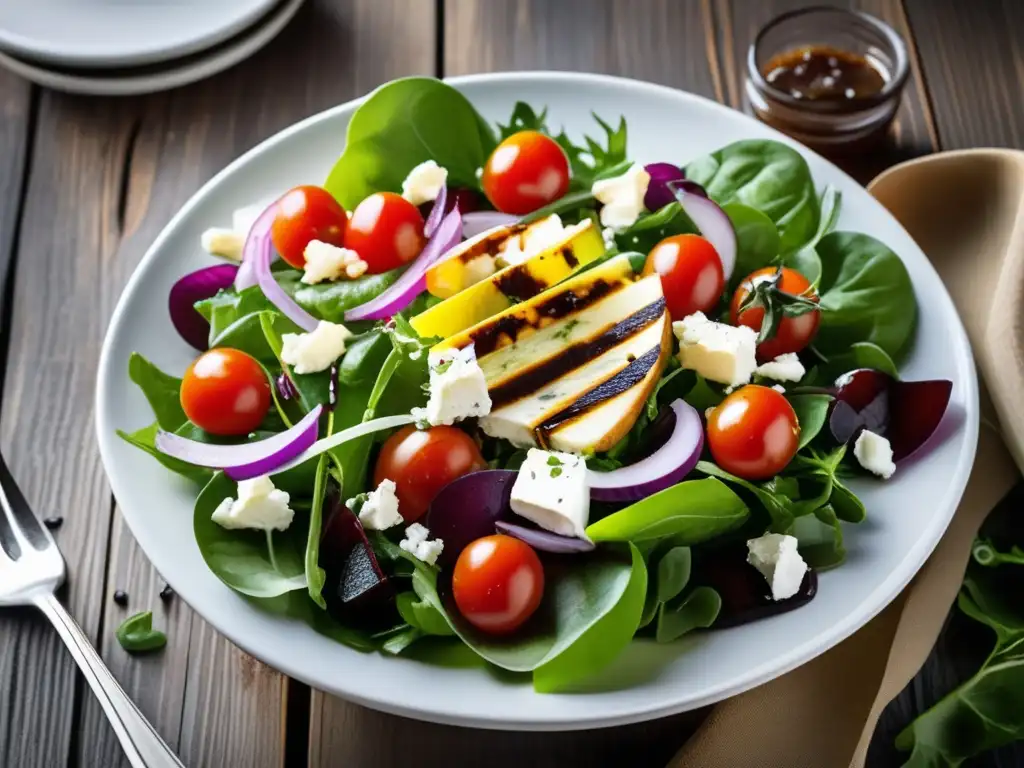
(21, 516)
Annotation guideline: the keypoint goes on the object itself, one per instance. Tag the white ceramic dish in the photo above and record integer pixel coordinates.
(116, 33)
(906, 516)
(172, 74)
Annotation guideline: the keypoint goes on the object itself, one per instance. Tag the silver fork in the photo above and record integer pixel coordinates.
(31, 568)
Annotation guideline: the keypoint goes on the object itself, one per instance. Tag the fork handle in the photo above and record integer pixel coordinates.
(141, 743)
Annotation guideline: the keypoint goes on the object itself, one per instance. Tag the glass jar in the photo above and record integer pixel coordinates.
(828, 125)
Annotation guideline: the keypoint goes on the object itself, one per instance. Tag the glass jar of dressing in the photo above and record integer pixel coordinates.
(828, 77)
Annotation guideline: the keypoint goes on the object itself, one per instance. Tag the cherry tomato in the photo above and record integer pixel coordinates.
(303, 214)
(422, 462)
(225, 392)
(753, 433)
(691, 274)
(525, 172)
(386, 230)
(498, 582)
(794, 333)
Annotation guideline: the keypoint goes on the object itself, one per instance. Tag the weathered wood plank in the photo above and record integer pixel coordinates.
(15, 128)
(913, 132)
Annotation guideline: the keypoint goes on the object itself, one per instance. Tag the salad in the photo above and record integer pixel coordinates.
(499, 387)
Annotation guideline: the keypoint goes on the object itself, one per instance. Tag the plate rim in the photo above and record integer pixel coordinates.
(799, 654)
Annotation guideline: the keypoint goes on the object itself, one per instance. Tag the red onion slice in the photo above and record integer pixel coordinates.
(246, 277)
(658, 193)
(713, 223)
(434, 219)
(545, 540)
(193, 287)
(275, 294)
(242, 462)
(339, 438)
(413, 281)
(663, 468)
(477, 223)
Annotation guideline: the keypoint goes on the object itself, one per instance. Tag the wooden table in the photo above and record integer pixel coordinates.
(87, 183)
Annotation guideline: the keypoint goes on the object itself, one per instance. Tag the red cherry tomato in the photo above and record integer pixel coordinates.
(386, 230)
(303, 214)
(498, 582)
(691, 274)
(794, 333)
(753, 433)
(422, 462)
(525, 172)
(225, 392)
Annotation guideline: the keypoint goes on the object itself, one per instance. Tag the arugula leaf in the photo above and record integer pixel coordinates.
(820, 538)
(697, 609)
(769, 176)
(161, 390)
(523, 119)
(824, 468)
(421, 615)
(690, 512)
(136, 634)
(315, 576)
(811, 412)
(757, 239)
(777, 506)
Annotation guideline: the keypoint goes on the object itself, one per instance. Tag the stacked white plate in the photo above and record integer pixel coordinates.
(123, 47)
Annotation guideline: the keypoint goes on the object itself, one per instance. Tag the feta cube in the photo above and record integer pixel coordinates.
(316, 350)
(785, 367)
(718, 352)
(260, 506)
(458, 389)
(776, 557)
(226, 243)
(329, 262)
(424, 183)
(874, 453)
(416, 544)
(551, 490)
(622, 197)
(380, 510)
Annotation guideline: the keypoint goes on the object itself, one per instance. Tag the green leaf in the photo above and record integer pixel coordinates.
(570, 202)
(846, 503)
(820, 538)
(363, 358)
(866, 295)
(863, 354)
(402, 124)
(329, 301)
(807, 262)
(704, 395)
(768, 176)
(315, 576)
(523, 119)
(242, 559)
(673, 573)
(697, 609)
(161, 390)
(297, 605)
(824, 468)
(652, 228)
(136, 634)
(145, 439)
(776, 505)
(985, 553)
(398, 639)
(757, 239)
(811, 412)
(602, 641)
(421, 614)
(691, 512)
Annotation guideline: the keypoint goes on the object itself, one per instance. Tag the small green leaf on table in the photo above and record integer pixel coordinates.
(136, 634)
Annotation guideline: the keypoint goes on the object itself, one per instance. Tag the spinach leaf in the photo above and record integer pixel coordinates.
(691, 512)
(704, 395)
(777, 505)
(363, 358)
(866, 295)
(329, 301)
(766, 175)
(397, 639)
(401, 125)
(651, 228)
(136, 634)
(250, 562)
(161, 390)
(297, 605)
(602, 641)
(863, 354)
(697, 609)
(820, 538)
(824, 468)
(757, 239)
(315, 576)
(420, 613)
(673, 573)
(806, 261)
(145, 439)
(811, 412)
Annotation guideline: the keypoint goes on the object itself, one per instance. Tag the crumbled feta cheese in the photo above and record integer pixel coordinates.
(718, 352)
(779, 388)
(608, 236)
(416, 544)
(785, 367)
(329, 262)
(380, 510)
(622, 197)
(226, 243)
(260, 506)
(776, 557)
(424, 183)
(551, 490)
(546, 233)
(316, 350)
(458, 389)
(874, 453)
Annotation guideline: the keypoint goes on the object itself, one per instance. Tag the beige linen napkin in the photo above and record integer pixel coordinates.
(966, 211)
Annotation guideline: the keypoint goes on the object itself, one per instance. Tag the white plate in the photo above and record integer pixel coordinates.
(906, 515)
(120, 33)
(130, 82)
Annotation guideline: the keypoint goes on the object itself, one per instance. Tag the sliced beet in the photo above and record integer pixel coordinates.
(467, 508)
(467, 200)
(904, 412)
(357, 591)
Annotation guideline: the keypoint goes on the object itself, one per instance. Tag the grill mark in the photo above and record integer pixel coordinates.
(575, 355)
(628, 377)
(489, 245)
(487, 338)
(569, 256)
(518, 284)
